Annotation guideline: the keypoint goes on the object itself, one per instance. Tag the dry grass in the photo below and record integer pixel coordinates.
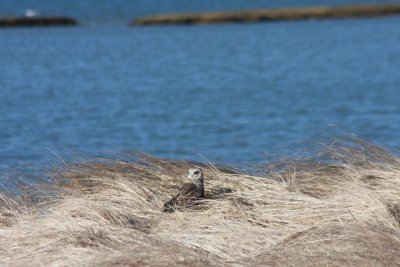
(344, 210)
(280, 14)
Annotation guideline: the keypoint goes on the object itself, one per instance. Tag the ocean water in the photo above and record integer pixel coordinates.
(226, 93)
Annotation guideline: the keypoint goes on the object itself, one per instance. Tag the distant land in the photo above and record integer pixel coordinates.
(281, 14)
(36, 21)
(121, 12)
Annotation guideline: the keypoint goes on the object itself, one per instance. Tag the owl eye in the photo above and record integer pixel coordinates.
(196, 172)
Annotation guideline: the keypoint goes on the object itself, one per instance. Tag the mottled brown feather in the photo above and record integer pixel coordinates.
(187, 194)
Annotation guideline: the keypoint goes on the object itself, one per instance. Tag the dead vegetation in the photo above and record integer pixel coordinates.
(269, 15)
(343, 210)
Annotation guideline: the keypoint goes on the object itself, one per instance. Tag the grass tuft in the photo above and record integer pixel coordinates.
(340, 209)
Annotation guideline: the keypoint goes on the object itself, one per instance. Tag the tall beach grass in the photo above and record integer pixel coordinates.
(341, 208)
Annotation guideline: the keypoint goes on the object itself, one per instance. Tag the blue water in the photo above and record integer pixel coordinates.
(227, 93)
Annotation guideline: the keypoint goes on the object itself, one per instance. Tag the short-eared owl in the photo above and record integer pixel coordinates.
(189, 192)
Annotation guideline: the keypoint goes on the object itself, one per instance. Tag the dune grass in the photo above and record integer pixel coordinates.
(275, 14)
(341, 208)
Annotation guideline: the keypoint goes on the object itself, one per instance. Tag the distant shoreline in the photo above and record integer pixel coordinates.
(264, 15)
(37, 21)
